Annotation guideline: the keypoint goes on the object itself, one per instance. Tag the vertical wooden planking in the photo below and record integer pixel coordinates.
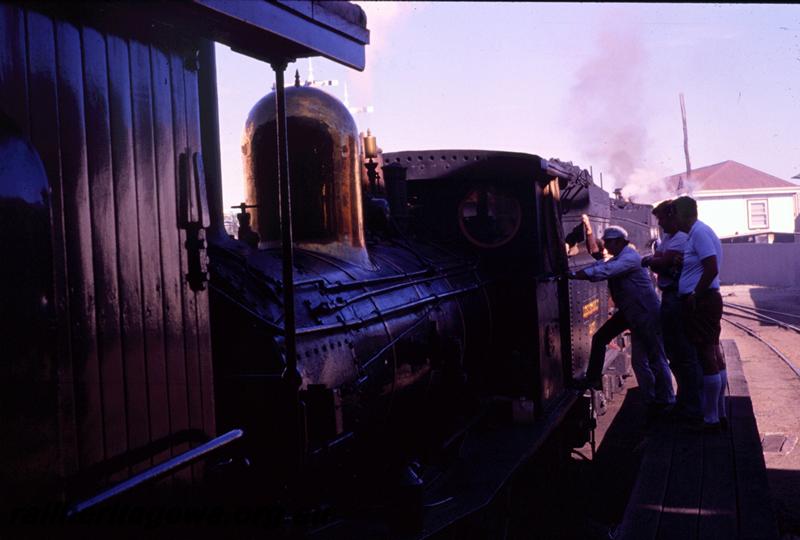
(43, 118)
(104, 241)
(149, 244)
(76, 242)
(136, 412)
(13, 66)
(166, 177)
(201, 298)
(179, 126)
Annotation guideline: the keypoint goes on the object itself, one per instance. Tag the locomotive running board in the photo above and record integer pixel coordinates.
(488, 460)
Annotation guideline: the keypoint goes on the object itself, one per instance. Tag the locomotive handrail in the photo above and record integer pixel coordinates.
(172, 464)
(269, 324)
(422, 318)
(369, 294)
(380, 314)
(322, 283)
(375, 281)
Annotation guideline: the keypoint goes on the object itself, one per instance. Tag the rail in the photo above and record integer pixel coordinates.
(769, 345)
(756, 312)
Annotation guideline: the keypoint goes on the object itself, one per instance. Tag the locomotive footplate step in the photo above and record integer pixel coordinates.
(701, 484)
(489, 458)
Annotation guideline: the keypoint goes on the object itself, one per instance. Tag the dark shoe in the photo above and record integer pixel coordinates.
(712, 428)
(723, 423)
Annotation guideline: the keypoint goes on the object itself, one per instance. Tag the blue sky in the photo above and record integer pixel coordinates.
(596, 84)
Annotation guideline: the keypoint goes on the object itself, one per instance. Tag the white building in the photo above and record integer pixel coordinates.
(737, 200)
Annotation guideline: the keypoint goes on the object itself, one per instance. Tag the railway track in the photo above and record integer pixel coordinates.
(758, 315)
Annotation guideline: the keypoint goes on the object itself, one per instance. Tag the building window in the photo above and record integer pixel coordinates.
(758, 214)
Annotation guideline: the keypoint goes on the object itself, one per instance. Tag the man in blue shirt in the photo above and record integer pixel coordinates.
(638, 310)
(702, 304)
(680, 352)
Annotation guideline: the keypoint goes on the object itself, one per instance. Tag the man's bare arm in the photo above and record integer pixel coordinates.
(662, 261)
(710, 271)
(591, 242)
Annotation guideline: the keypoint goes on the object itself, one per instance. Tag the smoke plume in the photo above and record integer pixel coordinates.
(382, 19)
(608, 113)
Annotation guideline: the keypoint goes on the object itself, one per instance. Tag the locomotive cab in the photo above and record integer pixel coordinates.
(499, 208)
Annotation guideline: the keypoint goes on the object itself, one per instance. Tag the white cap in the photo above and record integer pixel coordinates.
(614, 231)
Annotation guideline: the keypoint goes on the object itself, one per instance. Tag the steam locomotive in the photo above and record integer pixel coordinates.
(418, 359)
(429, 298)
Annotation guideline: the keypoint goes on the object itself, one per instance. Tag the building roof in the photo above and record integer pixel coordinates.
(726, 176)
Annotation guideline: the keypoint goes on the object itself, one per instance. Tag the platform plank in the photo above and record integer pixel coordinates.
(718, 503)
(681, 505)
(756, 515)
(701, 485)
(643, 515)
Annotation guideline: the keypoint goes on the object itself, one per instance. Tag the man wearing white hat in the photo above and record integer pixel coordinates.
(638, 310)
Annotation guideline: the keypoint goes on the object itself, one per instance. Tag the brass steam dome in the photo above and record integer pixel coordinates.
(324, 171)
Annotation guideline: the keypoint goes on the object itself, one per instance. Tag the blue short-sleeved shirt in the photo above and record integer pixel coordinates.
(629, 284)
(701, 244)
(671, 242)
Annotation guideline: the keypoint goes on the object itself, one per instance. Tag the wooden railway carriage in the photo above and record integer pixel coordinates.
(109, 121)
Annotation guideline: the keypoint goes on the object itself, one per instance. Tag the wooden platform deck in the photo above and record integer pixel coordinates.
(695, 485)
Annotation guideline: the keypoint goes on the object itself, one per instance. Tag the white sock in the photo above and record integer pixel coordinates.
(711, 388)
(723, 379)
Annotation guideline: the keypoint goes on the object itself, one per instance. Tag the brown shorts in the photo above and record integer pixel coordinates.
(703, 327)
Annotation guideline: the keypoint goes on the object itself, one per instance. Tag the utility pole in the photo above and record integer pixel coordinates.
(685, 145)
